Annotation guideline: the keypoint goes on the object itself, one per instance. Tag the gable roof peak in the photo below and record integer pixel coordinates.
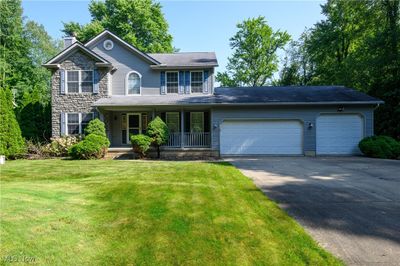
(124, 43)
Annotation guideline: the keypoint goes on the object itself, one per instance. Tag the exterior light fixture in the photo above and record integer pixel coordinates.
(340, 109)
(310, 125)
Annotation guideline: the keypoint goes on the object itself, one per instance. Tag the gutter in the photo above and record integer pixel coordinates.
(241, 104)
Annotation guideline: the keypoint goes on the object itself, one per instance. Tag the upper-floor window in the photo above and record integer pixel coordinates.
(172, 81)
(77, 122)
(79, 81)
(196, 81)
(133, 83)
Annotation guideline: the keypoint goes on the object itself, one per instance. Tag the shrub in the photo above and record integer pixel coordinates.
(92, 147)
(95, 126)
(380, 147)
(158, 131)
(36, 150)
(59, 146)
(141, 144)
(12, 144)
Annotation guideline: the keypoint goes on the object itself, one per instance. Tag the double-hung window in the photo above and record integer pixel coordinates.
(197, 122)
(196, 81)
(172, 81)
(77, 122)
(79, 81)
(172, 121)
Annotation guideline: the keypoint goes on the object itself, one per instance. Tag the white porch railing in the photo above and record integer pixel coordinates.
(190, 139)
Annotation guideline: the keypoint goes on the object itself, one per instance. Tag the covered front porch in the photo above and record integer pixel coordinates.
(189, 128)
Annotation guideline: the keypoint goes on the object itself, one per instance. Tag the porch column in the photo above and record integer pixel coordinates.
(182, 128)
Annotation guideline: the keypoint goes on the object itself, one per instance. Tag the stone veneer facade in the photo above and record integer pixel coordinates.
(75, 102)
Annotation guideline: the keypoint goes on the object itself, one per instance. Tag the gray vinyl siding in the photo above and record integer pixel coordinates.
(304, 114)
(126, 61)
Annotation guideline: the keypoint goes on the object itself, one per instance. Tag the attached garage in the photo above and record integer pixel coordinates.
(261, 137)
(339, 134)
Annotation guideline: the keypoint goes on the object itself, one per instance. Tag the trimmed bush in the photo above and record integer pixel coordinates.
(380, 147)
(92, 147)
(59, 146)
(97, 127)
(158, 131)
(12, 145)
(141, 144)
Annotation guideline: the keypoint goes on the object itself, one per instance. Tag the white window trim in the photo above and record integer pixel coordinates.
(166, 119)
(128, 127)
(166, 82)
(105, 44)
(79, 80)
(202, 81)
(126, 83)
(79, 119)
(190, 125)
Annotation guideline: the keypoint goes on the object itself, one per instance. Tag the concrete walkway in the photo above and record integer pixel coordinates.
(350, 205)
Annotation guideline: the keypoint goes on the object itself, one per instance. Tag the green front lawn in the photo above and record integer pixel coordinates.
(126, 212)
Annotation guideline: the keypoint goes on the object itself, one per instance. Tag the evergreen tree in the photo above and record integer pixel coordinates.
(11, 141)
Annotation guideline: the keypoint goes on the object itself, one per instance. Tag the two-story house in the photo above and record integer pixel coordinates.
(125, 87)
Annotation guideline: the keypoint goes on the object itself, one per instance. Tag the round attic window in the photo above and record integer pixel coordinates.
(108, 44)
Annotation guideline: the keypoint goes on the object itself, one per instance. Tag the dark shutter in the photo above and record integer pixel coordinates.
(181, 82)
(207, 121)
(96, 81)
(187, 121)
(62, 124)
(205, 82)
(62, 81)
(187, 82)
(162, 81)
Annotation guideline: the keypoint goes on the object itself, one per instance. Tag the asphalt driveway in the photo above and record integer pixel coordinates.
(350, 205)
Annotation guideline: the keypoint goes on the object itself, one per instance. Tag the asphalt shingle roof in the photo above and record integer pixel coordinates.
(291, 95)
(186, 59)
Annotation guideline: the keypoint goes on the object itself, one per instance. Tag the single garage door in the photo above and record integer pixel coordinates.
(261, 137)
(339, 134)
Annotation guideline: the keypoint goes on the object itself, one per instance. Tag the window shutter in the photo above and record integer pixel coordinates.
(181, 82)
(205, 81)
(62, 124)
(187, 82)
(162, 81)
(96, 81)
(62, 81)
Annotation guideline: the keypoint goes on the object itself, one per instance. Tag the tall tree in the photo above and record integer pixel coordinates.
(23, 48)
(11, 141)
(254, 59)
(357, 45)
(139, 22)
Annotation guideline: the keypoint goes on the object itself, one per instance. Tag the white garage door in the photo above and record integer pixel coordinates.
(339, 134)
(261, 137)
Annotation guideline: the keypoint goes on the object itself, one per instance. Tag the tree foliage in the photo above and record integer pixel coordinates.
(24, 46)
(11, 141)
(158, 131)
(139, 22)
(357, 46)
(254, 58)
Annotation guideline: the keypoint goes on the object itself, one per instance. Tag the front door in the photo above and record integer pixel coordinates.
(134, 125)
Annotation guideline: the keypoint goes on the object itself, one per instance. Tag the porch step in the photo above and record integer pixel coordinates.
(166, 154)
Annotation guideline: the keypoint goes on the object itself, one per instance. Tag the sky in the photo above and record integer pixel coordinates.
(195, 25)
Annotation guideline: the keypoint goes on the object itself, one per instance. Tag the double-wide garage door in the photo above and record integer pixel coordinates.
(268, 137)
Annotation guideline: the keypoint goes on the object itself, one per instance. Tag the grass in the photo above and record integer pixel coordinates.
(144, 213)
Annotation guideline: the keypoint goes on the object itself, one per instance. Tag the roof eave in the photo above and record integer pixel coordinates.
(76, 45)
(242, 104)
(183, 66)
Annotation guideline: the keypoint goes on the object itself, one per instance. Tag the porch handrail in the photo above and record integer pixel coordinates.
(190, 139)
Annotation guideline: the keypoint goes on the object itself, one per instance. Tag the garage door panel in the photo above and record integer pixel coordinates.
(261, 137)
(339, 134)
